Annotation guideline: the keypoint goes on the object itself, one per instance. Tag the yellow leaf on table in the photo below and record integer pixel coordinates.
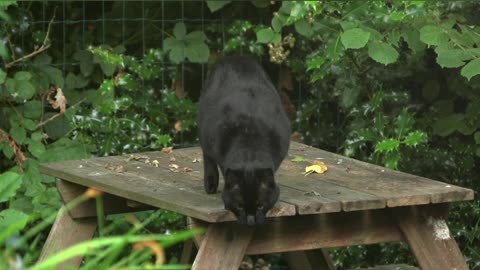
(318, 167)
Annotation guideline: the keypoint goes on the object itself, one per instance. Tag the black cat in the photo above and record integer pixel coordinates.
(245, 131)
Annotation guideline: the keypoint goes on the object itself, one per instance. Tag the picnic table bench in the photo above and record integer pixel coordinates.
(353, 203)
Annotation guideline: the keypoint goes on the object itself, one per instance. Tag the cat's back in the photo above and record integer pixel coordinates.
(237, 74)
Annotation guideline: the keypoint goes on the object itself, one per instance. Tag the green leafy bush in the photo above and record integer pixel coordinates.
(389, 82)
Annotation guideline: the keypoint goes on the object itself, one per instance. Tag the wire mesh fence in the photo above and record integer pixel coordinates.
(137, 27)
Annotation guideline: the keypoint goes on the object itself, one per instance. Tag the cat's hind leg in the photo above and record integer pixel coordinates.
(210, 170)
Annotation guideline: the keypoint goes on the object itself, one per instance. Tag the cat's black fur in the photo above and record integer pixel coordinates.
(245, 131)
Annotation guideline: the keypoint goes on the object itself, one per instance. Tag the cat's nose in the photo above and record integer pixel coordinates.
(250, 220)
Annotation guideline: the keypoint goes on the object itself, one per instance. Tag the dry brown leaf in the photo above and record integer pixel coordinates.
(173, 166)
(187, 169)
(296, 137)
(172, 159)
(155, 163)
(195, 160)
(167, 149)
(154, 247)
(178, 126)
(117, 168)
(60, 101)
(177, 85)
(317, 167)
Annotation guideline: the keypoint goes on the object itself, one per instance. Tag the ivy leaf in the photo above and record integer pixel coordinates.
(18, 133)
(9, 183)
(197, 53)
(180, 30)
(447, 125)
(451, 58)
(387, 145)
(177, 54)
(304, 28)
(471, 69)
(277, 24)
(383, 53)
(265, 35)
(433, 35)
(412, 37)
(32, 109)
(298, 159)
(415, 137)
(36, 148)
(196, 37)
(24, 89)
(86, 62)
(216, 5)
(355, 38)
(23, 76)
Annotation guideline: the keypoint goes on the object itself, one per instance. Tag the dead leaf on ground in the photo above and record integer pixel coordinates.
(155, 163)
(172, 159)
(195, 160)
(173, 166)
(312, 193)
(187, 169)
(317, 167)
(116, 168)
(167, 150)
(135, 157)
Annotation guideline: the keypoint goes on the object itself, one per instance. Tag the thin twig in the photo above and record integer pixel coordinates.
(42, 48)
(57, 115)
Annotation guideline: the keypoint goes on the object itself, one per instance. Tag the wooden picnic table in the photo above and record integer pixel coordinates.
(353, 203)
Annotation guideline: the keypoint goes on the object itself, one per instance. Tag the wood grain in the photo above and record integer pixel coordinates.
(223, 247)
(428, 236)
(348, 185)
(112, 204)
(67, 232)
(284, 234)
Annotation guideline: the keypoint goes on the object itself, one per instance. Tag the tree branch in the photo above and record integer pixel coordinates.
(53, 117)
(42, 48)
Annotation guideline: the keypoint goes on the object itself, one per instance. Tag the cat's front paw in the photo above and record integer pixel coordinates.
(211, 185)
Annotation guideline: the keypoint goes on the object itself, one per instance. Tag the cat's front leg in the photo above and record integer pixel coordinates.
(210, 174)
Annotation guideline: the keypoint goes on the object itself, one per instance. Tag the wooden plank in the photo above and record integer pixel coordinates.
(396, 187)
(112, 204)
(284, 234)
(317, 259)
(136, 187)
(350, 200)
(390, 267)
(189, 181)
(150, 185)
(187, 252)
(65, 233)
(303, 201)
(428, 236)
(223, 247)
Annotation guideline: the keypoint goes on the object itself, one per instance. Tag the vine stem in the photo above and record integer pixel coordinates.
(42, 48)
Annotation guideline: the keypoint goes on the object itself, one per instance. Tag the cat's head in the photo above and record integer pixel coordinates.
(249, 194)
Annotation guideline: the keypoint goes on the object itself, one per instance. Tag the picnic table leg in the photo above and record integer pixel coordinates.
(67, 232)
(316, 259)
(223, 247)
(427, 234)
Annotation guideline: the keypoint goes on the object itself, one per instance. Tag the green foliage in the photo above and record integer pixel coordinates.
(388, 82)
(191, 46)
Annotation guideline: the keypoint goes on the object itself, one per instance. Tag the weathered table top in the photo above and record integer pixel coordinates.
(348, 185)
